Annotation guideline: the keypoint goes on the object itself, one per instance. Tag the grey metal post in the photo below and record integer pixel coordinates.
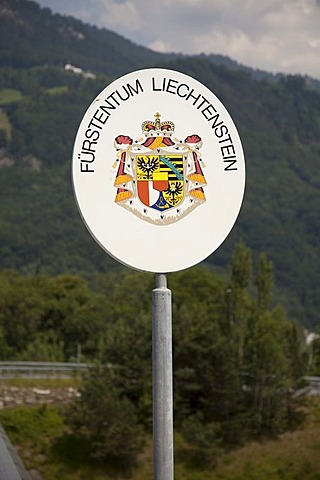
(162, 380)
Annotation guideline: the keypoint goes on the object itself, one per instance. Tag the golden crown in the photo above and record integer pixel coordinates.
(149, 127)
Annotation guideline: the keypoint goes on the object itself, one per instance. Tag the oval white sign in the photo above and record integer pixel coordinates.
(158, 171)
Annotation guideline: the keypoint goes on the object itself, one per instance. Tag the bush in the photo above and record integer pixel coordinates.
(105, 417)
(203, 442)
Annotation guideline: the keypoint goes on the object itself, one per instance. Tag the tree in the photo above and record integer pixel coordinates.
(238, 298)
(22, 308)
(204, 441)
(44, 347)
(271, 364)
(264, 282)
(5, 351)
(106, 418)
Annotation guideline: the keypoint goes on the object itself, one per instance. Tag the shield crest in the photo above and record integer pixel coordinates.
(160, 180)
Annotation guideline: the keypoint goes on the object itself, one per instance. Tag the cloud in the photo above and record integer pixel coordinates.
(275, 35)
(279, 35)
(122, 15)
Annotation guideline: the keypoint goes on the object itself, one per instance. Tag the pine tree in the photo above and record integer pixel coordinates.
(238, 298)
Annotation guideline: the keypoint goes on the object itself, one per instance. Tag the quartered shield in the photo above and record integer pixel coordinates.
(160, 180)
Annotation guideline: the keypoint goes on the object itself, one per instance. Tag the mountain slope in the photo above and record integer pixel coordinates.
(31, 36)
(42, 105)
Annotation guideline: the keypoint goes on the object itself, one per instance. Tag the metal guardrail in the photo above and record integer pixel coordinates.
(41, 369)
(313, 381)
(310, 387)
(313, 385)
(11, 466)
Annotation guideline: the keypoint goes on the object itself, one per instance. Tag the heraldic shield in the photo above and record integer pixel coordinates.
(158, 178)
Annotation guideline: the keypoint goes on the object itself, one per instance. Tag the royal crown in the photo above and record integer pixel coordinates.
(157, 128)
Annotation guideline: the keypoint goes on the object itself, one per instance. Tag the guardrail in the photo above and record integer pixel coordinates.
(11, 466)
(41, 369)
(313, 384)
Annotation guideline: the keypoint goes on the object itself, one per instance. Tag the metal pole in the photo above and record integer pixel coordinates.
(162, 380)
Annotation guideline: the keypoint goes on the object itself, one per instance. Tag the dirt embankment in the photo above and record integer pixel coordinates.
(12, 396)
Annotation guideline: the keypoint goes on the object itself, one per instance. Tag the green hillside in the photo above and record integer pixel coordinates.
(41, 106)
(31, 36)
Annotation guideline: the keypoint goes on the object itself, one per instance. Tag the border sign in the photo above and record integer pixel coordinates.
(158, 171)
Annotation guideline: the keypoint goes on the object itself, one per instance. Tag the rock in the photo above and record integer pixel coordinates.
(41, 391)
(16, 396)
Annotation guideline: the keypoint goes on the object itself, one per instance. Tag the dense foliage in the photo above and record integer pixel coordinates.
(49, 451)
(237, 360)
(236, 363)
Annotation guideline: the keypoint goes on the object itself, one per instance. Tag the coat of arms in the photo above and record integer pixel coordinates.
(159, 178)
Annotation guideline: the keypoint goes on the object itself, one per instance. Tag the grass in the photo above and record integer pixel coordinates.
(42, 382)
(293, 456)
(5, 124)
(58, 90)
(9, 95)
(45, 444)
(33, 430)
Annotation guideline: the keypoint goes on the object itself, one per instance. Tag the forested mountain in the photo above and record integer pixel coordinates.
(31, 36)
(41, 105)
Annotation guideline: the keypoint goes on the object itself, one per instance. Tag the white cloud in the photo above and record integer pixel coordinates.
(159, 46)
(121, 15)
(275, 35)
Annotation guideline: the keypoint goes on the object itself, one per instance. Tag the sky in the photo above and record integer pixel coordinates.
(272, 35)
